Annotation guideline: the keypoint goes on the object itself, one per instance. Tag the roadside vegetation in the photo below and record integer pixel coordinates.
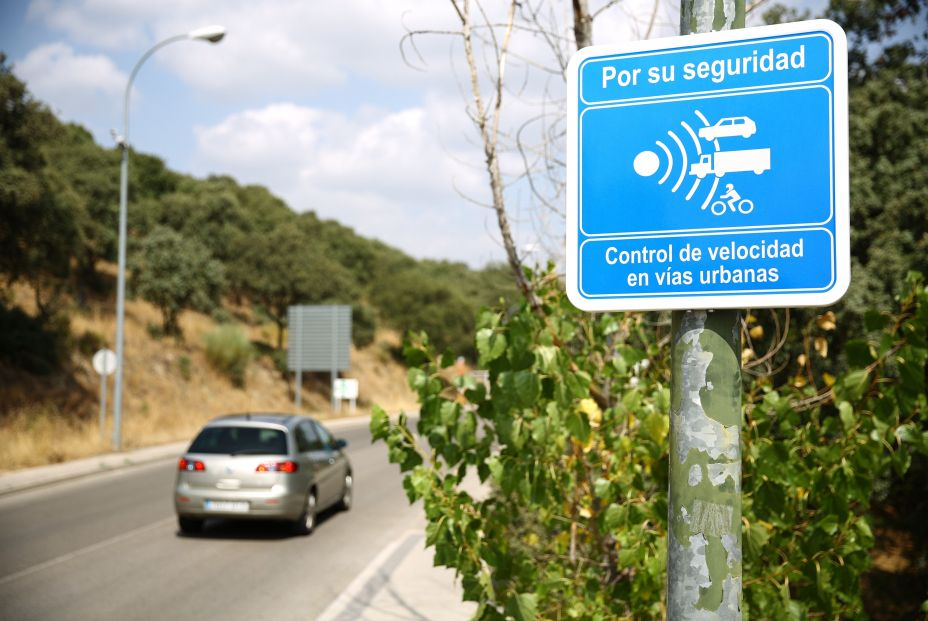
(569, 431)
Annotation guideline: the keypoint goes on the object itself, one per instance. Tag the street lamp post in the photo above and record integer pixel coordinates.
(212, 34)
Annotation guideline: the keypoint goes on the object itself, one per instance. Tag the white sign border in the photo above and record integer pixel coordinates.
(841, 176)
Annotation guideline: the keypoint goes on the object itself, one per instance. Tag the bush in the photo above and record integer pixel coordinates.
(279, 358)
(229, 351)
(363, 325)
(185, 368)
(90, 343)
(571, 436)
(35, 344)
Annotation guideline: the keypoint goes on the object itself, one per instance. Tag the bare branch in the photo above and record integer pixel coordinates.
(583, 24)
(647, 33)
(754, 6)
(605, 8)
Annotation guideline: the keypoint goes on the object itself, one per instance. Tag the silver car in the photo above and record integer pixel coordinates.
(262, 466)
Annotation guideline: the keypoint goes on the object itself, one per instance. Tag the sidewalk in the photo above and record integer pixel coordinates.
(401, 584)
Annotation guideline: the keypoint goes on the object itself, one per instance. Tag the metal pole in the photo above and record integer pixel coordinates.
(704, 529)
(103, 403)
(298, 394)
(123, 142)
(336, 403)
(121, 274)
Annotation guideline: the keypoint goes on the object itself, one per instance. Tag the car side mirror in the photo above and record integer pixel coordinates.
(341, 443)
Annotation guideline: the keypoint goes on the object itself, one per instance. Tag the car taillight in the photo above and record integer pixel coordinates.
(191, 465)
(280, 466)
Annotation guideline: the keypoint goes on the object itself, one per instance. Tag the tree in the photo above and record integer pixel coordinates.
(38, 234)
(414, 302)
(175, 273)
(283, 268)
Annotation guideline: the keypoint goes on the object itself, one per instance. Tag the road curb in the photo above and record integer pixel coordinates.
(40, 476)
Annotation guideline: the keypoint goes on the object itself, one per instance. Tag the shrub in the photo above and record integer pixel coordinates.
(229, 351)
(184, 366)
(279, 358)
(571, 436)
(35, 344)
(363, 325)
(90, 343)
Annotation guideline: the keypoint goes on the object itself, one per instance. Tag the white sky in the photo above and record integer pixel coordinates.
(310, 98)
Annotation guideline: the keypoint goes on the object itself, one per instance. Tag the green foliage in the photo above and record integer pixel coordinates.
(89, 343)
(229, 351)
(174, 274)
(570, 438)
(442, 299)
(280, 269)
(35, 344)
(363, 325)
(185, 366)
(37, 229)
(59, 196)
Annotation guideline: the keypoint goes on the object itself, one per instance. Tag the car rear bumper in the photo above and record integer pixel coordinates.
(271, 504)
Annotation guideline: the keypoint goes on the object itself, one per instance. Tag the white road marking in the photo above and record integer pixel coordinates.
(371, 579)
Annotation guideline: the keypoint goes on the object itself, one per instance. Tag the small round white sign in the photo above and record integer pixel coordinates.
(104, 362)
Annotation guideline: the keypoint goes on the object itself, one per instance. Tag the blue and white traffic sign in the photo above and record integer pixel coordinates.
(709, 171)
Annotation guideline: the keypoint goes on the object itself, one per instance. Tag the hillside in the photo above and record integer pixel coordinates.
(170, 388)
(201, 253)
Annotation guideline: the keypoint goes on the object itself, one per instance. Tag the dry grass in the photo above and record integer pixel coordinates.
(48, 420)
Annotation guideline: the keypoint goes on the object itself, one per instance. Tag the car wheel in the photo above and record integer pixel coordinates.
(305, 524)
(190, 526)
(347, 493)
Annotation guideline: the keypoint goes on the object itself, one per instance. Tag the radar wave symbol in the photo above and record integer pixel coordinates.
(648, 163)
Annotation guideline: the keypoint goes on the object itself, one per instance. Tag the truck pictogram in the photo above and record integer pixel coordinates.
(723, 162)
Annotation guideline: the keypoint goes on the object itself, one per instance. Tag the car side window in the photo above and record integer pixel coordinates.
(324, 435)
(306, 438)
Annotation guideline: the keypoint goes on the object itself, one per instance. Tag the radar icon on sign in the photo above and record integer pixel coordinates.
(710, 163)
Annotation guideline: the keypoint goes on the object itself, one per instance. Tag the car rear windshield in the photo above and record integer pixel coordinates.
(240, 441)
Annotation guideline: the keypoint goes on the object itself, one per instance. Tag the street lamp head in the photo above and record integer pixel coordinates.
(213, 34)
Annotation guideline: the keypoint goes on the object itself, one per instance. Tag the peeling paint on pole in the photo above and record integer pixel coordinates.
(704, 532)
(710, 15)
(704, 548)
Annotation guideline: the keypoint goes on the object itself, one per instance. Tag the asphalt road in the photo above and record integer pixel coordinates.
(107, 547)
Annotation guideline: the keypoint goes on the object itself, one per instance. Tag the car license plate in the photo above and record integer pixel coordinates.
(228, 506)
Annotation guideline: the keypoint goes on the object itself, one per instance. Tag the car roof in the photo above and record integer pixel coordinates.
(258, 419)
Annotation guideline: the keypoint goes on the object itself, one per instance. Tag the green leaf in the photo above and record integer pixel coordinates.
(851, 387)
(380, 423)
(523, 606)
(829, 524)
(578, 426)
(602, 487)
(416, 378)
(909, 434)
(521, 388)
(614, 516)
(846, 413)
(875, 321)
(757, 537)
(858, 353)
(490, 345)
(657, 425)
(545, 358)
(466, 432)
